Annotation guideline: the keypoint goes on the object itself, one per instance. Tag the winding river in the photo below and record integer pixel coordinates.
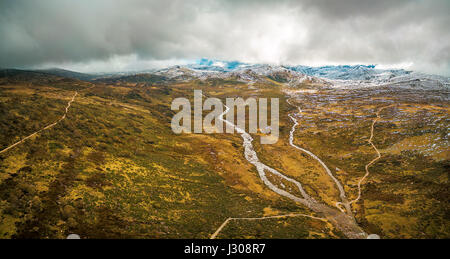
(344, 222)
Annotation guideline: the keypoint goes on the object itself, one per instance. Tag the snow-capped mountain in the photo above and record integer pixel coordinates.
(217, 65)
(369, 75)
(343, 76)
(346, 72)
(250, 73)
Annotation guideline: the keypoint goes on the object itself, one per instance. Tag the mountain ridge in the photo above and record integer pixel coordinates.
(341, 76)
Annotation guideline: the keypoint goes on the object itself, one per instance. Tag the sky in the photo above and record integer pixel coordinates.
(114, 35)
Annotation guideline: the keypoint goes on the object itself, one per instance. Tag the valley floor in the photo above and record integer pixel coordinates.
(368, 161)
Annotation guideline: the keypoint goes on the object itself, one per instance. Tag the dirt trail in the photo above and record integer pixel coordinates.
(261, 218)
(46, 127)
(374, 147)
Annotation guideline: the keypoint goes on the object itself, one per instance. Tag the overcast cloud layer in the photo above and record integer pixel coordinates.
(135, 35)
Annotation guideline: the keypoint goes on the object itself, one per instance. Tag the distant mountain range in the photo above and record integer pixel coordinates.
(341, 72)
(339, 76)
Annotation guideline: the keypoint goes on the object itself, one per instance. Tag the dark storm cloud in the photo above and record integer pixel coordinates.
(112, 33)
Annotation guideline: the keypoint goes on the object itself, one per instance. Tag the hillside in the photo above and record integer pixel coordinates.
(113, 168)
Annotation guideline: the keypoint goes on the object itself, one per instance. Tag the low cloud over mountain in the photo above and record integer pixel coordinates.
(136, 34)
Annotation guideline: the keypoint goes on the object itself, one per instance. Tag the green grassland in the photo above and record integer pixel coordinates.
(406, 194)
(114, 169)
